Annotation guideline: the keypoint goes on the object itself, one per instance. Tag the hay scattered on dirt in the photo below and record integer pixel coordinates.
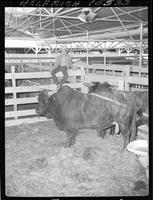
(37, 164)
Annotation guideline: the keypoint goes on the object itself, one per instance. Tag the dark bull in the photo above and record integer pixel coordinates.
(140, 97)
(95, 87)
(72, 111)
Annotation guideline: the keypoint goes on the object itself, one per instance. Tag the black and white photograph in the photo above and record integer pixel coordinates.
(76, 101)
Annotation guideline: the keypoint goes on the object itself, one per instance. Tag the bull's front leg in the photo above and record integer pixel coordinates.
(71, 137)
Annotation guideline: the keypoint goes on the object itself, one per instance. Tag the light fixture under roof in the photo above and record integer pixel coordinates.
(91, 16)
(82, 17)
(87, 15)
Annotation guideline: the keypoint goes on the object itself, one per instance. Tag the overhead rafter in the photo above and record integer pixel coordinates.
(53, 20)
(122, 24)
(115, 20)
(67, 11)
(76, 25)
(129, 14)
(49, 13)
(97, 9)
(65, 26)
(41, 19)
(71, 13)
(103, 31)
(57, 11)
(66, 17)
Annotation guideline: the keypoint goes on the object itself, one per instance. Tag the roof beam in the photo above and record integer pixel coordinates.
(66, 17)
(49, 13)
(65, 26)
(122, 24)
(54, 19)
(129, 14)
(116, 44)
(126, 12)
(114, 20)
(76, 11)
(57, 11)
(68, 11)
(97, 9)
(33, 23)
(74, 25)
(52, 22)
(106, 30)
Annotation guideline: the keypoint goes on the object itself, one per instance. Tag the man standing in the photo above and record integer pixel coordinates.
(63, 63)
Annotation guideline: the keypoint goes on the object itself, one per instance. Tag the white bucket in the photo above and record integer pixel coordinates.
(140, 148)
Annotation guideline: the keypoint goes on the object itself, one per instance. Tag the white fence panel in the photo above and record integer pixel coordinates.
(28, 89)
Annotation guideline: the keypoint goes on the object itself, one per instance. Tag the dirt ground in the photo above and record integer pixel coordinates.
(37, 164)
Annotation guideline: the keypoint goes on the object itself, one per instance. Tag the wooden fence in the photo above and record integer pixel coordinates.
(14, 89)
(123, 76)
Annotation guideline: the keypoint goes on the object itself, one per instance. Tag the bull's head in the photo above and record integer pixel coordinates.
(92, 86)
(98, 87)
(44, 104)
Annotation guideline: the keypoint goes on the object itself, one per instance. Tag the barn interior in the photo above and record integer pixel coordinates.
(105, 44)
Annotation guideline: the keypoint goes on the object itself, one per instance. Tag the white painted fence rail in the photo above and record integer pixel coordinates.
(118, 74)
(28, 89)
(123, 81)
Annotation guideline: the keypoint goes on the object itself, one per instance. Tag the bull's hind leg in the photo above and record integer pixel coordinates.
(71, 136)
(133, 128)
(112, 130)
(126, 135)
(101, 133)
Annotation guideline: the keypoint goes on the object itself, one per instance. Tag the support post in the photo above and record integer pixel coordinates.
(84, 89)
(87, 53)
(22, 69)
(14, 90)
(126, 77)
(141, 38)
(105, 60)
(105, 57)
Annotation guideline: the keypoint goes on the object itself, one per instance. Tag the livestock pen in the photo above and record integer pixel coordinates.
(105, 43)
(37, 164)
(29, 90)
(124, 77)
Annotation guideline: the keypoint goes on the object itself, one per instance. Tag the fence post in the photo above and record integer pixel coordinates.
(14, 91)
(83, 88)
(126, 77)
(21, 66)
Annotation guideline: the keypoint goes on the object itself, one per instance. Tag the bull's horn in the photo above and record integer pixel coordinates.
(88, 84)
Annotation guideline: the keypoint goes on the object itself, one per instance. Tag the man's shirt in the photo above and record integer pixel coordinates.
(63, 60)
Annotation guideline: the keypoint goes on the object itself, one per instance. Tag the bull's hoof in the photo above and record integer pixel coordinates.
(124, 149)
